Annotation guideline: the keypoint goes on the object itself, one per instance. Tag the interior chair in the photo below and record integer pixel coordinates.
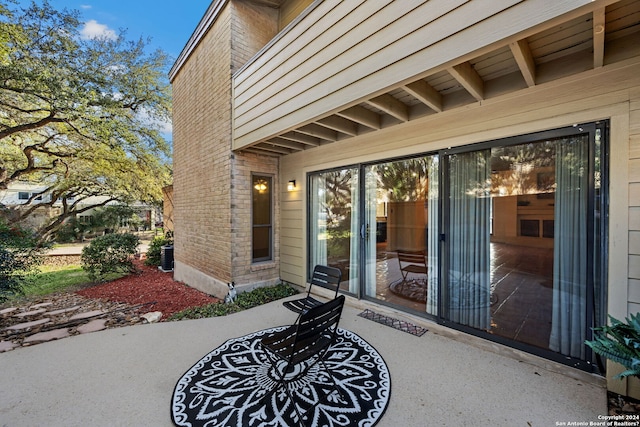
(327, 277)
(412, 262)
(295, 350)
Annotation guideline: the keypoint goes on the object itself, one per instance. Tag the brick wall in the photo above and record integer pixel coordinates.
(212, 191)
(202, 143)
(244, 165)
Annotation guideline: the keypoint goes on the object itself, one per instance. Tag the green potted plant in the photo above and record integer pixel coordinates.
(620, 342)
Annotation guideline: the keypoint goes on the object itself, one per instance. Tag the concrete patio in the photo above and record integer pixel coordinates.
(125, 376)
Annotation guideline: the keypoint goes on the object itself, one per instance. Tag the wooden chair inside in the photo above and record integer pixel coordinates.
(413, 262)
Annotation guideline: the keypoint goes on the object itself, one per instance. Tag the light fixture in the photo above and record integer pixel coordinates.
(291, 185)
(261, 186)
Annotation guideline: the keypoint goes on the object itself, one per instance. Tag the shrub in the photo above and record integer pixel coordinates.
(111, 253)
(620, 342)
(155, 249)
(245, 301)
(20, 254)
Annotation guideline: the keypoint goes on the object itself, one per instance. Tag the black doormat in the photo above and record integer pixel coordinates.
(394, 323)
(226, 386)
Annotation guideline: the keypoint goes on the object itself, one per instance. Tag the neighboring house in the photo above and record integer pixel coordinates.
(22, 193)
(499, 139)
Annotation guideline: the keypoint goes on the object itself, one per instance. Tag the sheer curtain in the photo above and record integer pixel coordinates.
(432, 239)
(371, 186)
(468, 241)
(317, 223)
(568, 325)
(354, 239)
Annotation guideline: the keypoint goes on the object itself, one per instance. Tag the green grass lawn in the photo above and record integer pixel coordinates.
(53, 279)
(56, 279)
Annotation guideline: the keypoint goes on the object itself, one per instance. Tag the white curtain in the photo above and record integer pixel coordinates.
(318, 224)
(371, 186)
(432, 238)
(468, 240)
(354, 240)
(568, 325)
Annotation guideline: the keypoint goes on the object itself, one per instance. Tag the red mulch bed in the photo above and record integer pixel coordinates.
(150, 285)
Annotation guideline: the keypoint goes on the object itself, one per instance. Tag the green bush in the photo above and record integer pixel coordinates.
(111, 253)
(20, 254)
(155, 249)
(244, 301)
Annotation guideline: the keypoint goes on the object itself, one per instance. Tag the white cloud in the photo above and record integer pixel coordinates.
(85, 6)
(93, 29)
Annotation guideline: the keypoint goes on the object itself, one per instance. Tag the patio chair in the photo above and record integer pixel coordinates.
(295, 350)
(324, 276)
(412, 262)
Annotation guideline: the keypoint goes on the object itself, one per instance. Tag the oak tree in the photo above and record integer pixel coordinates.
(82, 116)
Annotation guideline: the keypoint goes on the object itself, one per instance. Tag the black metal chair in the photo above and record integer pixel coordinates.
(328, 277)
(295, 350)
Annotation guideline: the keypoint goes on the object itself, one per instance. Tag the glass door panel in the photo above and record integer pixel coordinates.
(333, 224)
(401, 256)
(518, 242)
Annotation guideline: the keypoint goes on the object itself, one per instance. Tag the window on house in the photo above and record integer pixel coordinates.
(23, 195)
(262, 218)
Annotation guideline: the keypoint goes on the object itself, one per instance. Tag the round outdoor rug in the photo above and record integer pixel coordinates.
(413, 289)
(226, 386)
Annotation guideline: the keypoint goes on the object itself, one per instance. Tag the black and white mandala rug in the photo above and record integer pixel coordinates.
(226, 387)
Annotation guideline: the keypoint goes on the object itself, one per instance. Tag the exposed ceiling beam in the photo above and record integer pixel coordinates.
(339, 124)
(281, 142)
(301, 138)
(272, 148)
(469, 79)
(425, 93)
(255, 150)
(319, 132)
(599, 23)
(361, 115)
(391, 105)
(522, 54)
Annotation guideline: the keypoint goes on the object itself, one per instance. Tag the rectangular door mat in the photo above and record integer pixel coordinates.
(394, 323)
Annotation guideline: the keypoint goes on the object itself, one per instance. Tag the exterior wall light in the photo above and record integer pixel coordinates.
(291, 185)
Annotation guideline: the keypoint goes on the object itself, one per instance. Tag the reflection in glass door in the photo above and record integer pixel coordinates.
(401, 254)
(333, 224)
(518, 241)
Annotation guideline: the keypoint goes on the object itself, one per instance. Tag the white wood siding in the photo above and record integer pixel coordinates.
(342, 52)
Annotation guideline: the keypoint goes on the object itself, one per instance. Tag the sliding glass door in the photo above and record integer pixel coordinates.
(334, 223)
(502, 239)
(401, 242)
(522, 239)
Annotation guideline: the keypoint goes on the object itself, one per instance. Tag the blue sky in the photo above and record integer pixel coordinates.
(169, 24)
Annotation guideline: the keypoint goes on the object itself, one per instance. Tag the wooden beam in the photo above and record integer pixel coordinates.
(301, 138)
(522, 54)
(259, 152)
(281, 142)
(266, 146)
(425, 93)
(599, 23)
(319, 132)
(361, 115)
(469, 79)
(339, 124)
(391, 106)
